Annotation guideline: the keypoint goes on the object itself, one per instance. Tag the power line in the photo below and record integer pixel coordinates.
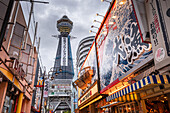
(33, 24)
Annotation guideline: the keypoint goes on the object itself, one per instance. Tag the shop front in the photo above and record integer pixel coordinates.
(101, 108)
(15, 94)
(131, 107)
(148, 95)
(10, 88)
(11, 99)
(158, 104)
(86, 102)
(124, 104)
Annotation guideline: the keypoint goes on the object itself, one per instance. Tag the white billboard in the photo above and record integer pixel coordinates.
(159, 25)
(64, 51)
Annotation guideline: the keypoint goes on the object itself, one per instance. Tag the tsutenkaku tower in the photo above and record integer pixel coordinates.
(63, 61)
(60, 87)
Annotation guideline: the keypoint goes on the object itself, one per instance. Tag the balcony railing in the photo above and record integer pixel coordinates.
(85, 77)
(17, 68)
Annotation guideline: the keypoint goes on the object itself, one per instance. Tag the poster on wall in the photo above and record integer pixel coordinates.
(158, 13)
(119, 44)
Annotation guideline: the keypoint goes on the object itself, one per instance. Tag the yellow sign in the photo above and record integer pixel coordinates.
(40, 82)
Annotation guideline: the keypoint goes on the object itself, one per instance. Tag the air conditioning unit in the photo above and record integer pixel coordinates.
(30, 82)
(14, 55)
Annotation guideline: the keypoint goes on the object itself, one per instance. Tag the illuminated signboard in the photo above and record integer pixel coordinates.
(119, 44)
(88, 94)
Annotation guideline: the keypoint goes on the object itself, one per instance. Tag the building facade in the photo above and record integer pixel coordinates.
(83, 49)
(38, 84)
(132, 62)
(18, 60)
(63, 71)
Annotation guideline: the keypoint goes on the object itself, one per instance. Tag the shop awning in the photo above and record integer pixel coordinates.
(152, 79)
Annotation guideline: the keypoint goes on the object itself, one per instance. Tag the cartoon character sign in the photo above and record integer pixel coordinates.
(119, 43)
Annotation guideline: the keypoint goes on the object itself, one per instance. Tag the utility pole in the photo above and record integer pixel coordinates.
(32, 47)
(74, 101)
(42, 93)
(26, 33)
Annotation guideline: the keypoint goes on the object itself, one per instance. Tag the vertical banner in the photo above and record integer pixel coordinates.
(64, 51)
(158, 14)
(46, 88)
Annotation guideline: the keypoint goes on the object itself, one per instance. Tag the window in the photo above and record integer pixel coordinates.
(16, 40)
(28, 48)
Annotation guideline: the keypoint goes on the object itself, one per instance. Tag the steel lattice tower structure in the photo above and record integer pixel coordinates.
(60, 87)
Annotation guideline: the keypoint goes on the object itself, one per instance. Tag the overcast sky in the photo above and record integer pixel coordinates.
(81, 12)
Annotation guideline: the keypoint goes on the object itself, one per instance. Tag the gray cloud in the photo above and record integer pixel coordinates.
(81, 12)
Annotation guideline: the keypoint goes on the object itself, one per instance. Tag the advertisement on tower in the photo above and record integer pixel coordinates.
(64, 51)
(119, 44)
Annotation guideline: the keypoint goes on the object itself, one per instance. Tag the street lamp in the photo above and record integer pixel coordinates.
(122, 2)
(94, 27)
(97, 14)
(105, 1)
(56, 72)
(52, 78)
(97, 21)
(92, 31)
(60, 70)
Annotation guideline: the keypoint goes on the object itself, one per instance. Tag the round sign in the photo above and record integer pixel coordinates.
(160, 54)
(168, 12)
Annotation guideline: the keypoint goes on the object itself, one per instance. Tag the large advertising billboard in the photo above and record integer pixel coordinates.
(119, 44)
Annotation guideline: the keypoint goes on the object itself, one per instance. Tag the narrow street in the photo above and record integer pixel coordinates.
(84, 56)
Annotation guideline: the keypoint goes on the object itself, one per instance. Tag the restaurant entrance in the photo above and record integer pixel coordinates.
(10, 99)
(131, 107)
(157, 104)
